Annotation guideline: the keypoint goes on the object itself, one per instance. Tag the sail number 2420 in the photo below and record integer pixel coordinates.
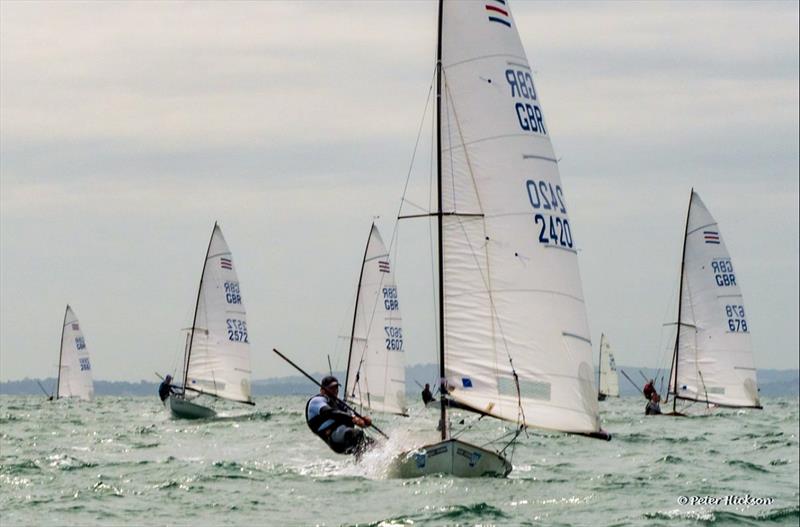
(548, 202)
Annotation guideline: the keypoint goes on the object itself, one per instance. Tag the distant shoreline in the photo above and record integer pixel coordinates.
(771, 382)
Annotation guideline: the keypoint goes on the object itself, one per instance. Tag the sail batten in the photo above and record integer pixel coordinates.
(376, 362)
(713, 360)
(514, 324)
(218, 356)
(74, 368)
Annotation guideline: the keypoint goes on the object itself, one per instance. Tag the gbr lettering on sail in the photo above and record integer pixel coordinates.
(545, 198)
(529, 114)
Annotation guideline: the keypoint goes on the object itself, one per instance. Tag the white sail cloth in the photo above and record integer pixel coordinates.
(512, 288)
(219, 352)
(376, 365)
(715, 354)
(609, 380)
(74, 368)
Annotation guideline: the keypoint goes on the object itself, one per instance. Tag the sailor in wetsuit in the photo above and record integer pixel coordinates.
(653, 407)
(427, 396)
(334, 423)
(165, 388)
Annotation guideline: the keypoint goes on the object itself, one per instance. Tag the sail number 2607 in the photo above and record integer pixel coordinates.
(548, 201)
(394, 338)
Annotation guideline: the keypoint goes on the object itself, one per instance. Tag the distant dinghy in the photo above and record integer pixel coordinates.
(712, 361)
(376, 379)
(217, 356)
(607, 378)
(514, 339)
(74, 366)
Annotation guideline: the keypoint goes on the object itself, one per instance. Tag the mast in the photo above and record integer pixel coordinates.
(680, 305)
(61, 351)
(600, 365)
(442, 382)
(355, 312)
(188, 352)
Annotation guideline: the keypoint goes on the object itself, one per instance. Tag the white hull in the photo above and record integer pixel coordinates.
(183, 409)
(453, 457)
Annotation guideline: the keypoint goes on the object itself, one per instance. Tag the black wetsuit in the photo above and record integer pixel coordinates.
(427, 396)
(164, 390)
(333, 423)
(652, 409)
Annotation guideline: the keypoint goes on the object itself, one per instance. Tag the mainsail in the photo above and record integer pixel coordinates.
(74, 367)
(217, 360)
(376, 364)
(516, 341)
(713, 359)
(609, 380)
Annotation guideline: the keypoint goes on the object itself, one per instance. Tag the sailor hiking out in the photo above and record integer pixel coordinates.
(166, 388)
(427, 396)
(334, 423)
(653, 407)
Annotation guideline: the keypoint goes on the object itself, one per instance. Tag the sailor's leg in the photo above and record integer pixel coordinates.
(338, 440)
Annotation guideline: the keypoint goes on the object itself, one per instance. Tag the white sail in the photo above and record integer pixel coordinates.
(376, 377)
(609, 380)
(715, 355)
(512, 288)
(219, 350)
(75, 368)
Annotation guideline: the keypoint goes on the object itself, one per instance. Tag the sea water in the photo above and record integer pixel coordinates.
(124, 461)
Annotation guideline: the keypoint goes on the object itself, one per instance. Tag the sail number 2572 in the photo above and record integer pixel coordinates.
(237, 330)
(548, 201)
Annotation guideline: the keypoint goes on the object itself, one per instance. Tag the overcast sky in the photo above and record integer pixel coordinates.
(127, 129)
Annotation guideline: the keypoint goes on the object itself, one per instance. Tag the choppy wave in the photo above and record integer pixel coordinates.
(19, 467)
(451, 515)
(746, 465)
(124, 459)
(67, 462)
(9, 418)
(726, 517)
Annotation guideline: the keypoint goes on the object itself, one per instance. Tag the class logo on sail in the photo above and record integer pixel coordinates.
(226, 263)
(383, 266)
(711, 237)
(498, 12)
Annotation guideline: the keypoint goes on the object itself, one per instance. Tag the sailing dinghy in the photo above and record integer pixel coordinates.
(514, 340)
(375, 378)
(607, 378)
(712, 361)
(217, 355)
(74, 366)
